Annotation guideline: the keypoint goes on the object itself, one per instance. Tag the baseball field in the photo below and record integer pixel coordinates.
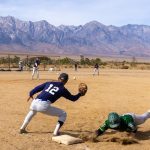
(113, 90)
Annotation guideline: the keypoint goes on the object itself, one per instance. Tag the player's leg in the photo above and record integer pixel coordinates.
(33, 110)
(37, 73)
(33, 72)
(140, 119)
(94, 71)
(53, 111)
(27, 120)
(46, 108)
(98, 72)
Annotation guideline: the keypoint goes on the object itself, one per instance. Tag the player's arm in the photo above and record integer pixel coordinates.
(36, 90)
(132, 127)
(29, 98)
(35, 64)
(69, 96)
(102, 129)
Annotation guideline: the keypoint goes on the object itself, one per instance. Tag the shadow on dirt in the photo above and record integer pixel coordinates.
(123, 138)
(142, 135)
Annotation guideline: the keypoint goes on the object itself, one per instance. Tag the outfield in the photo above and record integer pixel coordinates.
(114, 90)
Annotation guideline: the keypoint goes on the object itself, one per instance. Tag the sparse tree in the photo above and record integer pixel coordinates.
(133, 63)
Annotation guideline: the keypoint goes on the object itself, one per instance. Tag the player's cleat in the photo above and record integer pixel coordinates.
(23, 131)
(56, 134)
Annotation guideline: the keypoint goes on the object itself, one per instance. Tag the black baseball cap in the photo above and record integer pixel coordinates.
(63, 77)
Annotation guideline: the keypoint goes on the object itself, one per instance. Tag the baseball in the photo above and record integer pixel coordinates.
(74, 78)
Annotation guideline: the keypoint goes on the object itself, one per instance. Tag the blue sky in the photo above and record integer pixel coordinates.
(79, 12)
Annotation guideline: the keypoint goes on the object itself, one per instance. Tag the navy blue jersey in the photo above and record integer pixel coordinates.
(36, 63)
(96, 66)
(52, 91)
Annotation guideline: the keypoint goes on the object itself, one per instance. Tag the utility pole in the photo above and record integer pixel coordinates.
(9, 62)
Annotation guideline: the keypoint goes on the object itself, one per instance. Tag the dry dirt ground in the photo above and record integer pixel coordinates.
(114, 90)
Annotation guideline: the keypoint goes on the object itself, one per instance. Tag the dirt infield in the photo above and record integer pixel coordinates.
(114, 90)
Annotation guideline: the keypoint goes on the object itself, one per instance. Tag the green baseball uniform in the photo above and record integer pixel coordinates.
(126, 124)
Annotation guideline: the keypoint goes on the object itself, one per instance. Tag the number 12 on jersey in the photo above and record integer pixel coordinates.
(52, 89)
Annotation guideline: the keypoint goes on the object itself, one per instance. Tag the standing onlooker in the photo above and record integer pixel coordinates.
(96, 69)
(36, 68)
(75, 66)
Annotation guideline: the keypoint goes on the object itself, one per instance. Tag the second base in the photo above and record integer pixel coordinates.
(66, 139)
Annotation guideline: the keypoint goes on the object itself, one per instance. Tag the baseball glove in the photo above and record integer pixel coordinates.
(83, 88)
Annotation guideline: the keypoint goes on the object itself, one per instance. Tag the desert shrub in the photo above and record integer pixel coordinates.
(125, 67)
(65, 66)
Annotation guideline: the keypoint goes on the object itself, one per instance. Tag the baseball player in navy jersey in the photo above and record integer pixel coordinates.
(35, 68)
(51, 91)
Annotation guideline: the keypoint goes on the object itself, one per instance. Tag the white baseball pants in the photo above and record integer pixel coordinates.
(35, 71)
(140, 119)
(44, 107)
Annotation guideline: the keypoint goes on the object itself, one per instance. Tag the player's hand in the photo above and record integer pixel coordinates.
(97, 133)
(29, 98)
(93, 137)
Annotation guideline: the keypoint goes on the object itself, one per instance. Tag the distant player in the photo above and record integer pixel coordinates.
(20, 65)
(127, 122)
(96, 69)
(75, 67)
(51, 91)
(36, 68)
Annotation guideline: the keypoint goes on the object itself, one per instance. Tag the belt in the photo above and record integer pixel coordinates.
(42, 100)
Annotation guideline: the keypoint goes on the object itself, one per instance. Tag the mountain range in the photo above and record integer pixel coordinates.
(93, 38)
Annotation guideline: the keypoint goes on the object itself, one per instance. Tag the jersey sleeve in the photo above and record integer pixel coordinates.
(37, 89)
(104, 126)
(131, 127)
(36, 64)
(69, 96)
(128, 119)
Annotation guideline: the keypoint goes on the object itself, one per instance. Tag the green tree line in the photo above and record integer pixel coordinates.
(49, 61)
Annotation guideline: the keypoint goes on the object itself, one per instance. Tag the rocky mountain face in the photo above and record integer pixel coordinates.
(92, 38)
